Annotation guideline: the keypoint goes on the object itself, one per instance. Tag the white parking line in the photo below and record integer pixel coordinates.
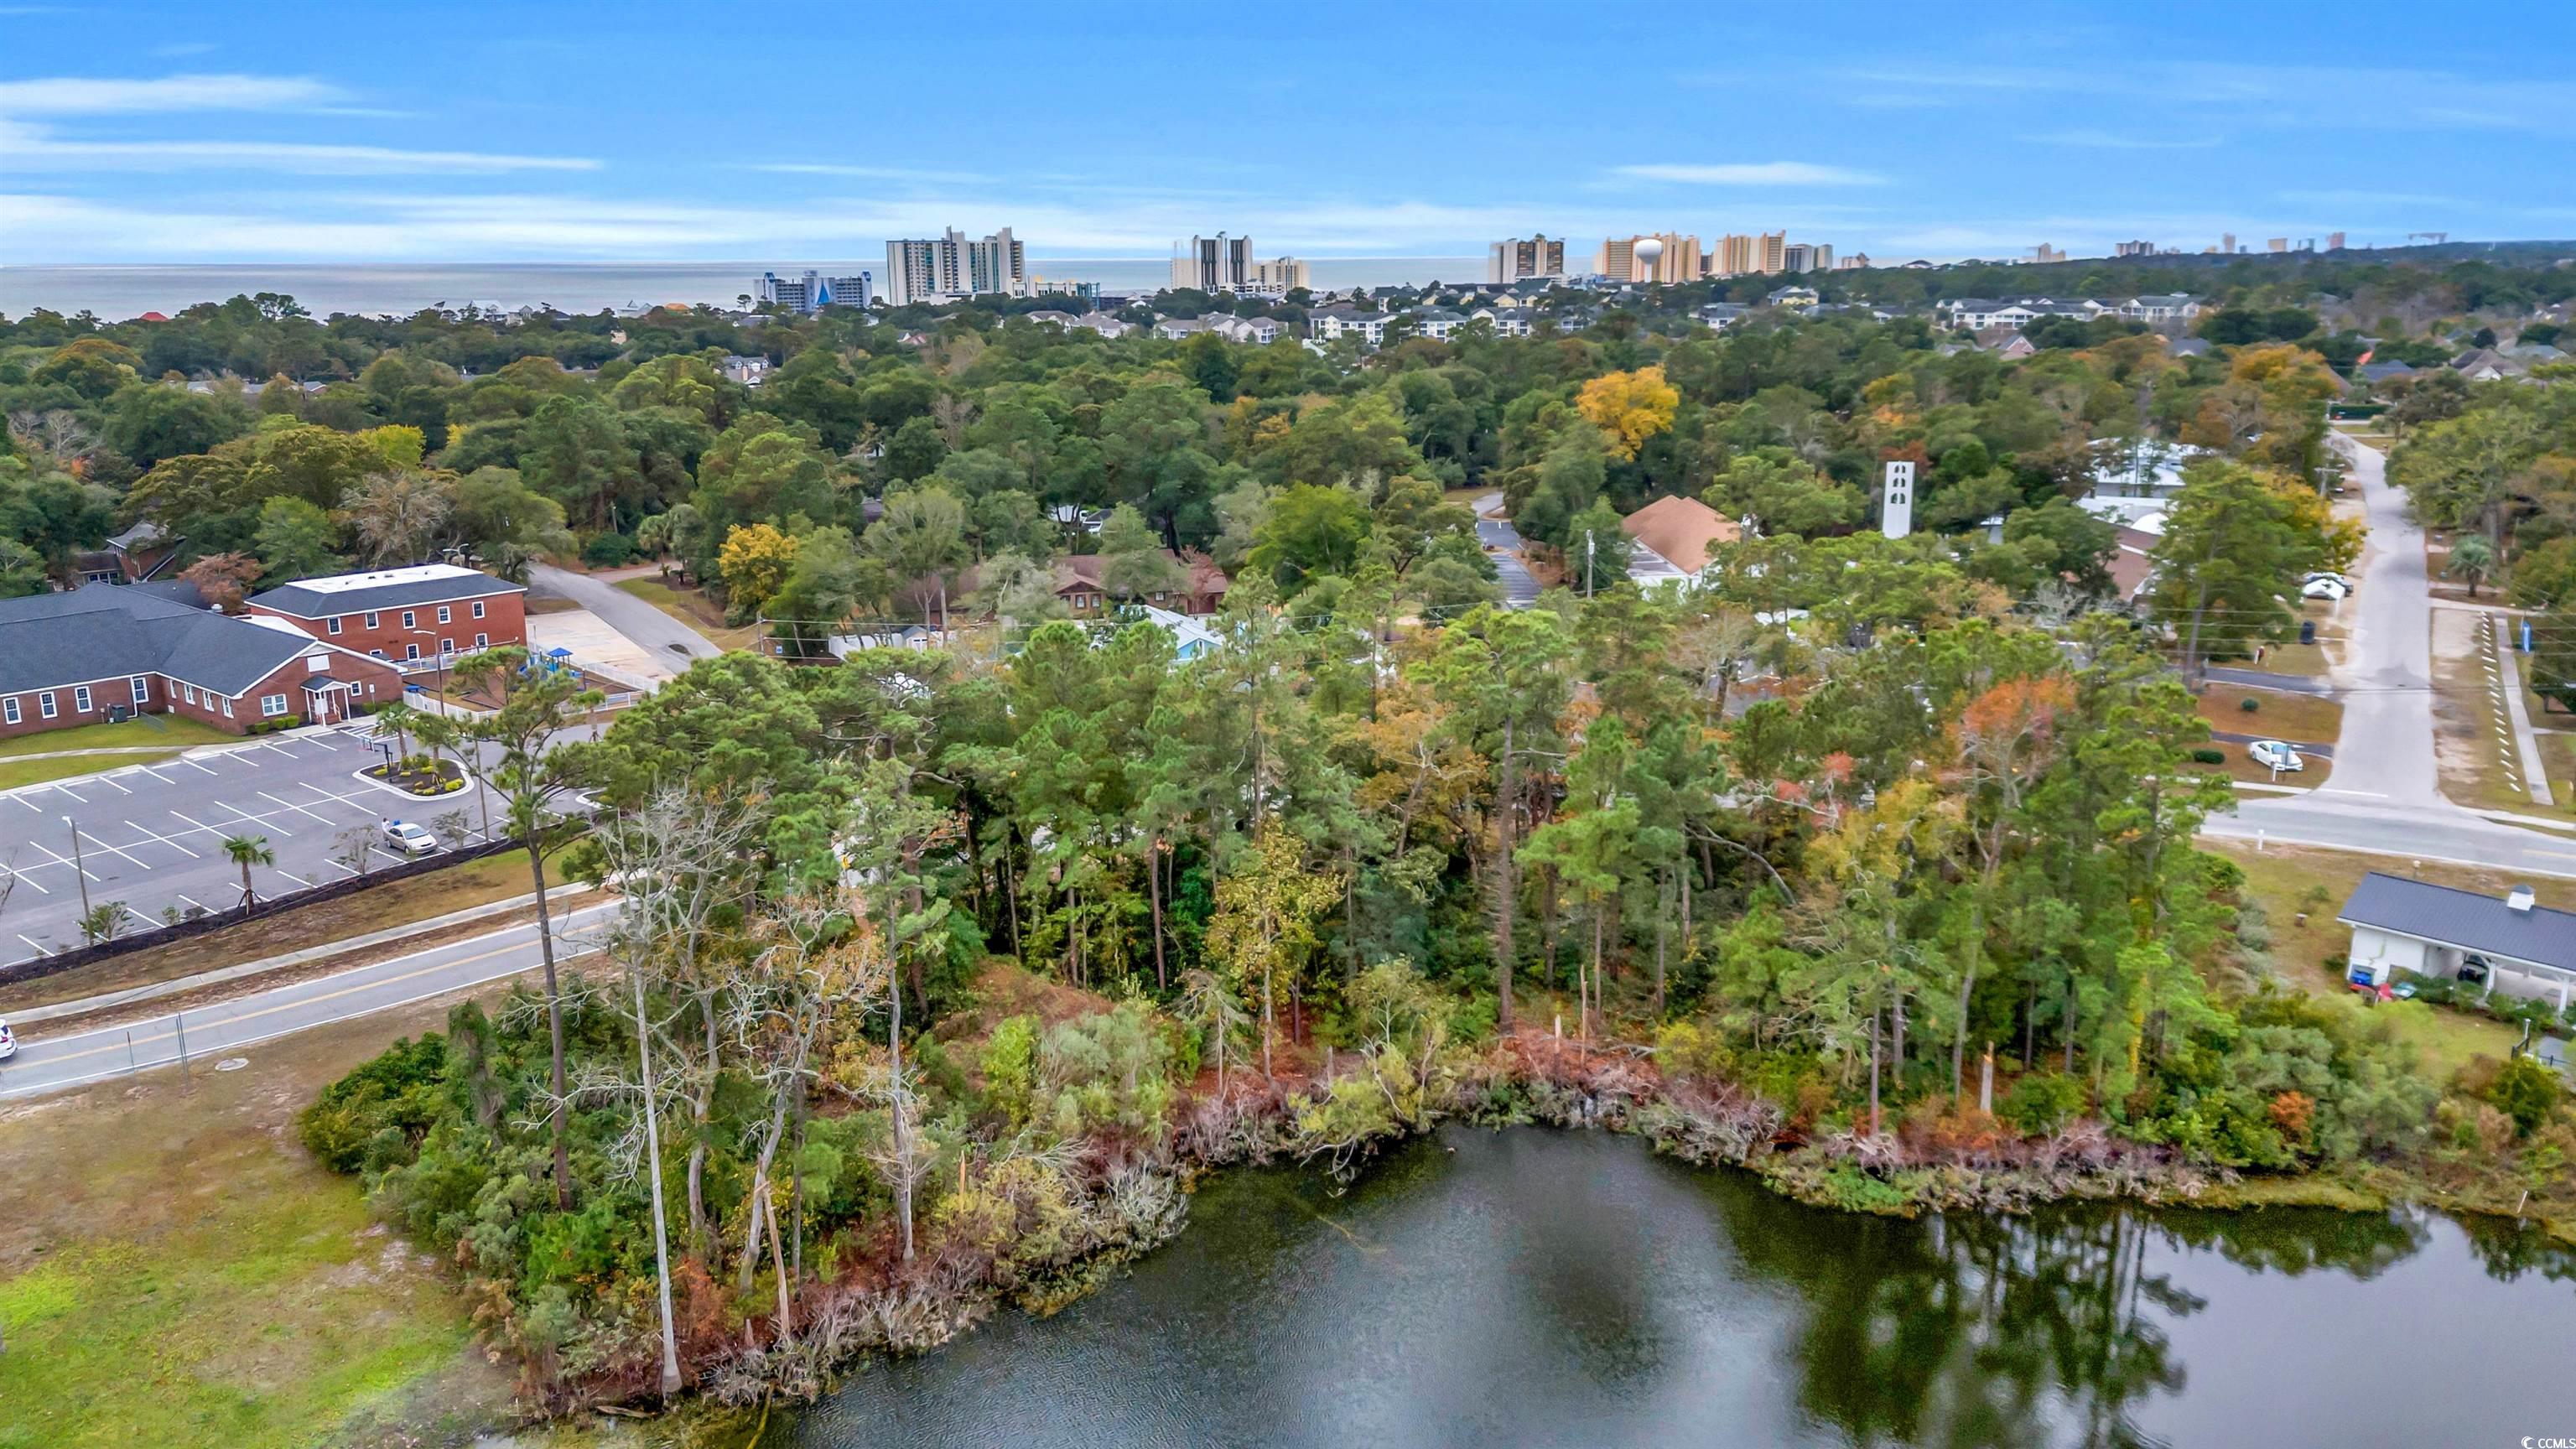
(258, 820)
(31, 880)
(192, 902)
(111, 780)
(41, 951)
(299, 880)
(30, 804)
(281, 749)
(59, 860)
(335, 865)
(193, 765)
(148, 922)
(196, 825)
(67, 790)
(166, 840)
(316, 742)
(291, 805)
(93, 839)
(155, 774)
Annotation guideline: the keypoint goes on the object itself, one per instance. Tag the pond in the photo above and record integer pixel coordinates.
(1543, 1287)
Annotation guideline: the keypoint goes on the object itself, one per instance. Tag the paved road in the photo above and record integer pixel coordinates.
(2384, 799)
(1503, 544)
(53, 1063)
(2257, 679)
(151, 836)
(2387, 678)
(651, 630)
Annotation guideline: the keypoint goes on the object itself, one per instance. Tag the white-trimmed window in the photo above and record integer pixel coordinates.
(411, 652)
(482, 641)
(446, 615)
(332, 623)
(372, 620)
(272, 704)
(45, 704)
(142, 687)
(80, 699)
(316, 663)
(187, 691)
(227, 703)
(478, 608)
(411, 618)
(377, 653)
(9, 710)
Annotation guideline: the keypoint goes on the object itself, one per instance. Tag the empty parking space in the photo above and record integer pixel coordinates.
(151, 841)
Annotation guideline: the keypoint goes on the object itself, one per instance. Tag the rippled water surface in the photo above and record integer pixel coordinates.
(1537, 1287)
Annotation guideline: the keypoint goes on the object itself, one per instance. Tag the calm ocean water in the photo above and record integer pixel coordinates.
(118, 292)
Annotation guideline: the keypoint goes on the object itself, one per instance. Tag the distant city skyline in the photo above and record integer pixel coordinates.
(543, 136)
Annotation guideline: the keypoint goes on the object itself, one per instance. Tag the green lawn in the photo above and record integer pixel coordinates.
(172, 730)
(14, 773)
(175, 1271)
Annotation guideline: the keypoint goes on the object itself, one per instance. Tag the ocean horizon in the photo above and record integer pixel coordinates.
(118, 291)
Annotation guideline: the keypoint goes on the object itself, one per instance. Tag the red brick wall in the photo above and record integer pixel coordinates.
(504, 621)
(289, 680)
(102, 693)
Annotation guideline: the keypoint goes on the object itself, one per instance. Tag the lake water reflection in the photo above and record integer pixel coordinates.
(1539, 1287)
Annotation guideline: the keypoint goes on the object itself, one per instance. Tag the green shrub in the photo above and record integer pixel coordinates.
(2527, 1092)
(1011, 1067)
(2249, 704)
(374, 1117)
(2207, 756)
(2041, 1103)
(607, 550)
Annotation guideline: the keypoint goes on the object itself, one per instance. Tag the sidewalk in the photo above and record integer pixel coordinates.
(2508, 671)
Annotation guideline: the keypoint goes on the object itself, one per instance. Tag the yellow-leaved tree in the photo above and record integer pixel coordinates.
(754, 561)
(1630, 407)
(1266, 909)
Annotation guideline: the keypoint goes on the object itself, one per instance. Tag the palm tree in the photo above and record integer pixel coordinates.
(246, 851)
(2472, 558)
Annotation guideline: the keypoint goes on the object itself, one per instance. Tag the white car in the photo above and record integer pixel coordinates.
(2329, 588)
(2274, 755)
(8, 1043)
(408, 838)
(2348, 582)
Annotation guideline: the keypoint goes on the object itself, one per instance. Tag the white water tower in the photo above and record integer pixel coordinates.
(1648, 251)
(1896, 502)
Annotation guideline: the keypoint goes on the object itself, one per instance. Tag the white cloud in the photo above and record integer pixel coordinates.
(77, 96)
(27, 148)
(1752, 173)
(868, 173)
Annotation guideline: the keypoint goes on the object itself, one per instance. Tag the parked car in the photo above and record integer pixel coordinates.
(2333, 590)
(408, 838)
(8, 1043)
(2275, 755)
(2350, 584)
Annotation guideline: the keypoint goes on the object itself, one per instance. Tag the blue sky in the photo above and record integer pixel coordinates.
(491, 132)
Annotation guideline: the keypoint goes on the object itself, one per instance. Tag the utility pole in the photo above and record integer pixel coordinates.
(1587, 563)
(80, 873)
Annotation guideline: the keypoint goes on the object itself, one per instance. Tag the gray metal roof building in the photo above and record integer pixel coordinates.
(2487, 925)
(51, 641)
(384, 589)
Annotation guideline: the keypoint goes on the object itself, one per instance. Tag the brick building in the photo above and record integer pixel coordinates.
(100, 654)
(403, 614)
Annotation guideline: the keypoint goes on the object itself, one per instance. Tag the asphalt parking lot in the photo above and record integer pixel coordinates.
(151, 836)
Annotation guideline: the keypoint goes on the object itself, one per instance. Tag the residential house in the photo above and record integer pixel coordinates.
(2486, 364)
(2158, 310)
(96, 655)
(2512, 945)
(1105, 323)
(1258, 331)
(2375, 373)
(1673, 538)
(1079, 584)
(137, 555)
(1791, 297)
(1190, 638)
(411, 614)
(1722, 315)
(2009, 345)
(1048, 317)
(2188, 347)
(1507, 321)
(745, 371)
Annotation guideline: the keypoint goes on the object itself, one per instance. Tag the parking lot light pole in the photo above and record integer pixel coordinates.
(80, 874)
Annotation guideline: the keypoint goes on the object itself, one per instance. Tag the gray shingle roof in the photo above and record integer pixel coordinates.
(309, 603)
(2464, 919)
(50, 641)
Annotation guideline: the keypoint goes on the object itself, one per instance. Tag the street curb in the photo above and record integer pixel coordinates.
(158, 989)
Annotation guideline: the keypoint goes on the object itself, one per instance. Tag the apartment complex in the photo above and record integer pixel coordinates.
(812, 292)
(1807, 257)
(1279, 276)
(1522, 259)
(1763, 253)
(424, 612)
(952, 266)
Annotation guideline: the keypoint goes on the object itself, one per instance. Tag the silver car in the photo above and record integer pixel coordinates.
(8, 1043)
